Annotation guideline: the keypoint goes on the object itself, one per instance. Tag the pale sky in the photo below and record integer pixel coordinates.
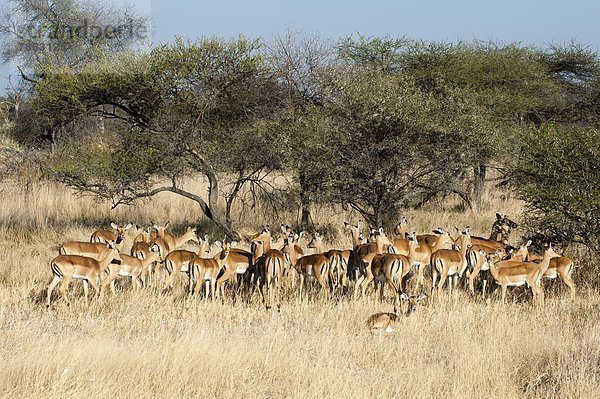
(529, 22)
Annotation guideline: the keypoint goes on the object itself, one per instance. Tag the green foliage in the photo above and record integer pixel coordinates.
(397, 144)
(558, 176)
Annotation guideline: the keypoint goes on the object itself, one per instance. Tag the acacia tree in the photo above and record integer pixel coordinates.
(185, 109)
(393, 145)
(558, 177)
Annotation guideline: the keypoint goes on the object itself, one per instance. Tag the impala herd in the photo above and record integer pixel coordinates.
(280, 264)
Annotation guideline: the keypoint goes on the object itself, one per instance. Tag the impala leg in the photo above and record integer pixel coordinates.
(443, 277)
(51, 287)
(484, 289)
(434, 278)
(504, 293)
(206, 290)
(197, 286)
(64, 285)
(278, 294)
(86, 289)
(96, 285)
(212, 288)
(301, 286)
(566, 278)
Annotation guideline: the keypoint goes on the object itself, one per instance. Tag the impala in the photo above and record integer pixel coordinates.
(179, 260)
(560, 266)
(239, 264)
(315, 265)
(516, 273)
(420, 255)
(68, 267)
(477, 261)
(401, 229)
(499, 235)
(144, 235)
(338, 261)
(450, 262)
(94, 250)
(381, 241)
(130, 267)
(207, 270)
(269, 268)
(117, 234)
(522, 253)
(385, 322)
(172, 242)
(389, 268)
(563, 267)
(141, 243)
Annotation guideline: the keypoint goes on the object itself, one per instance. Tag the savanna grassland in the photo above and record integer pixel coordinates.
(151, 344)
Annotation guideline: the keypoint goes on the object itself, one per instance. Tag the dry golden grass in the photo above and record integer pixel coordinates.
(149, 344)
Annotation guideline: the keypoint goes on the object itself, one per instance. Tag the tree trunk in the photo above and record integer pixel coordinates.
(479, 172)
(304, 202)
(210, 209)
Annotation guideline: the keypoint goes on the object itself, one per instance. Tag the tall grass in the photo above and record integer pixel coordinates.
(150, 344)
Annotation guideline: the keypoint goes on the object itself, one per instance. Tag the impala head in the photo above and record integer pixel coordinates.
(362, 238)
(160, 230)
(193, 233)
(413, 301)
(502, 226)
(549, 251)
(522, 252)
(317, 239)
(381, 238)
(352, 228)
(401, 227)
(492, 258)
(120, 231)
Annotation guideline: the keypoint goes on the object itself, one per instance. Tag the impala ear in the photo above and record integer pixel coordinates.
(421, 296)
(381, 232)
(498, 216)
(167, 224)
(206, 237)
(114, 226)
(129, 225)
(358, 225)
(528, 243)
(404, 297)
(218, 244)
(345, 225)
